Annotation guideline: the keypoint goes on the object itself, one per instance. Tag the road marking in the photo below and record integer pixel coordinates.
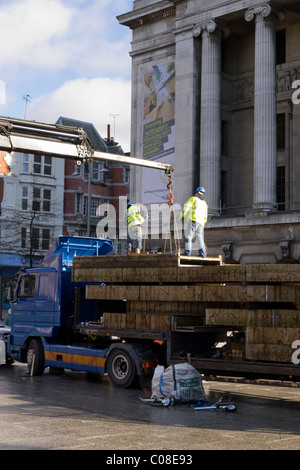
(105, 435)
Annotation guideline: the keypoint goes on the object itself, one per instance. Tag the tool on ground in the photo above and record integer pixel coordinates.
(221, 405)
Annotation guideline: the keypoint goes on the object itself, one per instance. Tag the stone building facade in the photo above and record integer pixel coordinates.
(226, 75)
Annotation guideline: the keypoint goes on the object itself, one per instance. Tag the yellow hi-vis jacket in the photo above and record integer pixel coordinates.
(195, 209)
(134, 216)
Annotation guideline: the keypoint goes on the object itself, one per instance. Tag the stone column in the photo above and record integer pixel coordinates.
(264, 185)
(210, 125)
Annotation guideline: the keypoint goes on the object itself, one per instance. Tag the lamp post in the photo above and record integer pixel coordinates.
(88, 224)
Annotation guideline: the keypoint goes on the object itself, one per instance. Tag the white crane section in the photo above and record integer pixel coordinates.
(60, 141)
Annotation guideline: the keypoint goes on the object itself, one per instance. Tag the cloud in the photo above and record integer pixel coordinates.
(71, 57)
(31, 31)
(78, 36)
(91, 100)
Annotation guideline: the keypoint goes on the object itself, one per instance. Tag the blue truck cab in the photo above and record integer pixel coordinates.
(48, 314)
(43, 298)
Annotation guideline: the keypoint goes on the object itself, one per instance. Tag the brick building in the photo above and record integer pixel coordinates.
(96, 193)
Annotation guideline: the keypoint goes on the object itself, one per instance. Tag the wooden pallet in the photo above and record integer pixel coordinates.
(163, 291)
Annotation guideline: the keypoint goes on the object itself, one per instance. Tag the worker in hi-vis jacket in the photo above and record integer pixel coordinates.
(134, 227)
(195, 212)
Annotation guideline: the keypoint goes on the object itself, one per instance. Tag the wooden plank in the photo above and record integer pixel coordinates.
(257, 317)
(97, 275)
(272, 335)
(197, 260)
(227, 317)
(199, 293)
(161, 307)
(139, 260)
(269, 352)
(273, 273)
(168, 293)
(146, 274)
(249, 293)
(153, 322)
(212, 274)
(124, 261)
(112, 292)
(286, 318)
(135, 292)
(119, 320)
(169, 268)
(118, 270)
(187, 322)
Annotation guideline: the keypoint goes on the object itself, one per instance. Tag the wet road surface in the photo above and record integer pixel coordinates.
(77, 412)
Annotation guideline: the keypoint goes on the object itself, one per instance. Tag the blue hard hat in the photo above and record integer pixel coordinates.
(200, 190)
(129, 204)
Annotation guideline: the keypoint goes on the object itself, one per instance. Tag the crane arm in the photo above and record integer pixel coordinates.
(62, 142)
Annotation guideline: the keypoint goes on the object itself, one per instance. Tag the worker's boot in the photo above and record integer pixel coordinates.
(129, 251)
(138, 250)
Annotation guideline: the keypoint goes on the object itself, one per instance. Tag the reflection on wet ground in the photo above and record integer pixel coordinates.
(77, 411)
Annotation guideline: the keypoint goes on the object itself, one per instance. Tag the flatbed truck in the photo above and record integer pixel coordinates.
(88, 310)
(45, 306)
(85, 309)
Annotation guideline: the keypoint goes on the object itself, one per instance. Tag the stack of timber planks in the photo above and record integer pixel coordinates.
(166, 292)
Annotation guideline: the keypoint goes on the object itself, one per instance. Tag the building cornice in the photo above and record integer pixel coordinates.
(150, 14)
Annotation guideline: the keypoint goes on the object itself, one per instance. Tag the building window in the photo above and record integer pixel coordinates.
(37, 164)
(45, 238)
(95, 203)
(85, 203)
(24, 198)
(281, 131)
(78, 170)
(281, 188)
(46, 200)
(78, 203)
(42, 165)
(280, 47)
(23, 237)
(41, 199)
(97, 174)
(47, 165)
(34, 241)
(127, 176)
(25, 163)
(36, 196)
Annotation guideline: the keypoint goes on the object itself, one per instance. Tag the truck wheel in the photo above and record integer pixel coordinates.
(35, 358)
(121, 368)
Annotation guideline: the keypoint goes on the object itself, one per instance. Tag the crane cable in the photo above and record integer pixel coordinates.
(172, 218)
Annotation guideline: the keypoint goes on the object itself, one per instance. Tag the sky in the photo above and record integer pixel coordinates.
(67, 58)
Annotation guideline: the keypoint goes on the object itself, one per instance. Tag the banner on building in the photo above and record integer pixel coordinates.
(158, 128)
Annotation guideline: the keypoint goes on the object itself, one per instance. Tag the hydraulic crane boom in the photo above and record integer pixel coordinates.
(61, 141)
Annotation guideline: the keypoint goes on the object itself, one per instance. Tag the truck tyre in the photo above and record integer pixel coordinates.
(121, 368)
(35, 358)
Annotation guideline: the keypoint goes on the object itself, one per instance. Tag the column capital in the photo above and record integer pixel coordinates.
(263, 11)
(208, 27)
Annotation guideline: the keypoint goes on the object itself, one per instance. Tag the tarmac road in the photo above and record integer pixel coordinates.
(76, 412)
